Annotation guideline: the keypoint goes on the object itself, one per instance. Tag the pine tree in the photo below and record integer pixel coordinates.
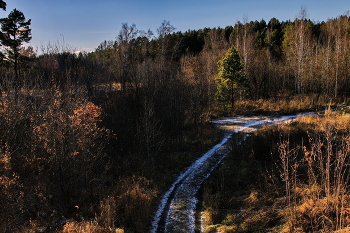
(14, 31)
(231, 77)
(3, 5)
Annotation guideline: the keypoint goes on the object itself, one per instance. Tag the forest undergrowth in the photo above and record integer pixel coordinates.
(286, 178)
(59, 172)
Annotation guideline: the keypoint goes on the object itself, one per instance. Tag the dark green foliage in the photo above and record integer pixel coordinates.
(3, 5)
(192, 41)
(231, 77)
(227, 32)
(274, 37)
(14, 32)
(259, 28)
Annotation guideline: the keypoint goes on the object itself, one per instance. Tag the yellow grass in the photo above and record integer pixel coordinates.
(88, 227)
(283, 105)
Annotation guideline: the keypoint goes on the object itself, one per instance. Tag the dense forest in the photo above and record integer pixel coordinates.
(90, 141)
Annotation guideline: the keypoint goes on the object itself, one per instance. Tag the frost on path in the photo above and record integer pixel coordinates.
(176, 212)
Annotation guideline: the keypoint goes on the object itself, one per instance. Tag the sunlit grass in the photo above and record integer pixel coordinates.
(284, 105)
(256, 201)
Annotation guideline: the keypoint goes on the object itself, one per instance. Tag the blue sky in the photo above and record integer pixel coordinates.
(84, 24)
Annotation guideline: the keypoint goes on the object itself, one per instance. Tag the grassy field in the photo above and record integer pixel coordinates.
(282, 105)
(286, 178)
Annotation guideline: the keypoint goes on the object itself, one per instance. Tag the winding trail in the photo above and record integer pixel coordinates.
(176, 212)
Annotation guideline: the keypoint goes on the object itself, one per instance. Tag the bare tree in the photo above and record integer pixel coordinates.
(297, 44)
(123, 52)
(165, 29)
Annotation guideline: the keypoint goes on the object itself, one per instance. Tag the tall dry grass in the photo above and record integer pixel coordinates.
(88, 227)
(285, 105)
(287, 178)
(316, 177)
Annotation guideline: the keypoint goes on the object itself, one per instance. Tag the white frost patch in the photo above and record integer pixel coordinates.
(184, 178)
(181, 213)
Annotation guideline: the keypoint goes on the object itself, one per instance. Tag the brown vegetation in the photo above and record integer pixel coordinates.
(291, 178)
(90, 141)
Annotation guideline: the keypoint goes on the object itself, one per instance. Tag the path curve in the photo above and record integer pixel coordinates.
(176, 212)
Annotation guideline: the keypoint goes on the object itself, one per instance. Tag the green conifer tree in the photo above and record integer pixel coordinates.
(3, 5)
(14, 32)
(231, 77)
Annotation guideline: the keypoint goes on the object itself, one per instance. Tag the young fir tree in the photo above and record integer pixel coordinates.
(231, 77)
(14, 32)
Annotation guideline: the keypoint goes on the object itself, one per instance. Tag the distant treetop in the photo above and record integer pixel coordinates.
(3, 5)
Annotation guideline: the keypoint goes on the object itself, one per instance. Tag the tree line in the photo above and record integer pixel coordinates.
(85, 132)
(279, 59)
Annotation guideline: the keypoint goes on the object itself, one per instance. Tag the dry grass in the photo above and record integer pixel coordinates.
(88, 227)
(290, 105)
(304, 188)
(321, 202)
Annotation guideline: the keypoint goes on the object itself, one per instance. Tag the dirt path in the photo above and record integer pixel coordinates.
(176, 212)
